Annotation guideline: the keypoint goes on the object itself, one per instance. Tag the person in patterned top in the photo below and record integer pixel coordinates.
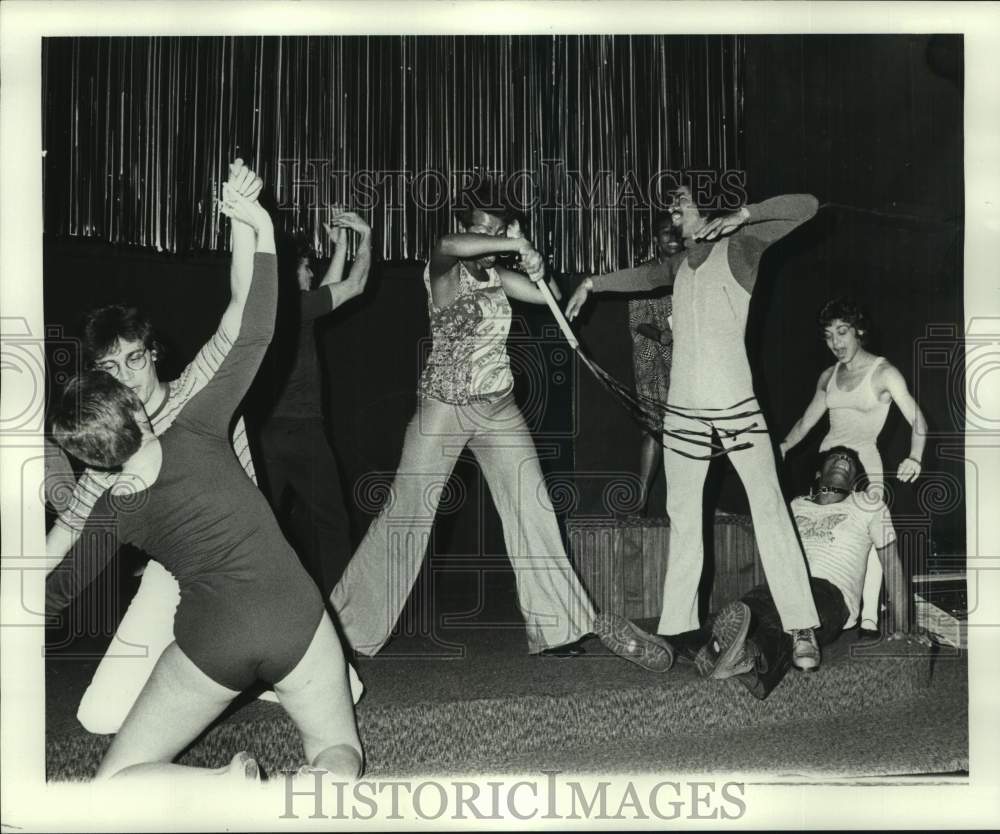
(466, 398)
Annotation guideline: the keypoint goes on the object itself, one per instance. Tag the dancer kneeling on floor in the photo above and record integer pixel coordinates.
(248, 609)
(121, 341)
(839, 523)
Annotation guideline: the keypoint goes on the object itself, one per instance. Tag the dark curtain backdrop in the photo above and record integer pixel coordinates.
(871, 125)
(138, 133)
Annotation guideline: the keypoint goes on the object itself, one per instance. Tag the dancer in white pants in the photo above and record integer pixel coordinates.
(712, 283)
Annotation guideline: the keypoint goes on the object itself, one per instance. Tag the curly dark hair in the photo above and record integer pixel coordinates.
(104, 327)
(847, 311)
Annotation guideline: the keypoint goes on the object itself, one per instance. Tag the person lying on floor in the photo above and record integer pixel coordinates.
(248, 609)
(839, 522)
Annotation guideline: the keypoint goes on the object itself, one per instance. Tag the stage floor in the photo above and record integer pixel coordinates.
(481, 705)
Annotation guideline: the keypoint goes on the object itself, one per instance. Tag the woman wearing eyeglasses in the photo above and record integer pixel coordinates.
(120, 341)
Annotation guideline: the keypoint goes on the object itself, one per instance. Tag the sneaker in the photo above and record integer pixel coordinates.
(627, 640)
(726, 654)
(805, 650)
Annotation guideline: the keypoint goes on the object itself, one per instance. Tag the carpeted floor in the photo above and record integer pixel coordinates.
(492, 708)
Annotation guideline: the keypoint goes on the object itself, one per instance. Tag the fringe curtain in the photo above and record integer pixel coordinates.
(576, 131)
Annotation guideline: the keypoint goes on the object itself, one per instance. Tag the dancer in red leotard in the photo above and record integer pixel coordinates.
(248, 609)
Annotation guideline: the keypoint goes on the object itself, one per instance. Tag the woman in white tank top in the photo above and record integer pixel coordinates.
(857, 393)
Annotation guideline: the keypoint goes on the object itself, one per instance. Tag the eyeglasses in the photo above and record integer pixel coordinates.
(134, 361)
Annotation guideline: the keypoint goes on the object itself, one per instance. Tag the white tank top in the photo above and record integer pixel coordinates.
(710, 366)
(856, 416)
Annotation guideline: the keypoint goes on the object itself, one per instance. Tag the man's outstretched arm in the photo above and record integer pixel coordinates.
(650, 276)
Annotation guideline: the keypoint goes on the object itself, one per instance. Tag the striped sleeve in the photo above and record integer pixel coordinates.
(242, 448)
(91, 486)
(192, 379)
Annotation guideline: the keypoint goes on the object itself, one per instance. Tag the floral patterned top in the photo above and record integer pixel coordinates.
(468, 358)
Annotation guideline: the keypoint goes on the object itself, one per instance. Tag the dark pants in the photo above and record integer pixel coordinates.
(303, 485)
(774, 645)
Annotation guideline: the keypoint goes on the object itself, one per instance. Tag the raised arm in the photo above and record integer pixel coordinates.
(522, 288)
(245, 242)
(335, 271)
(332, 291)
(210, 410)
(755, 227)
(452, 248)
(814, 411)
(892, 379)
(525, 287)
(247, 183)
(772, 219)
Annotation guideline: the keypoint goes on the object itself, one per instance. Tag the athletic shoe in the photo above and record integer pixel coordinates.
(628, 641)
(725, 654)
(805, 650)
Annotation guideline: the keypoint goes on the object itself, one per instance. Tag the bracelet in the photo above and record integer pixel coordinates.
(917, 462)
